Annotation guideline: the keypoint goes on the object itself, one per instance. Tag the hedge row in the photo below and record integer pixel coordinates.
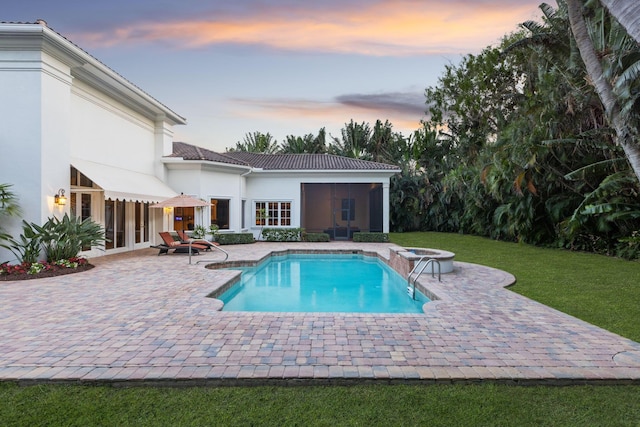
(315, 237)
(234, 238)
(282, 234)
(294, 235)
(371, 237)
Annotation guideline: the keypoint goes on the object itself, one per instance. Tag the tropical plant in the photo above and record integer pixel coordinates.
(307, 144)
(27, 247)
(257, 142)
(65, 238)
(213, 230)
(604, 69)
(354, 142)
(626, 12)
(8, 207)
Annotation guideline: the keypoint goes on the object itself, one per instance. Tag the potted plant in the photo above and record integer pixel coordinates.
(199, 232)
(213, 231)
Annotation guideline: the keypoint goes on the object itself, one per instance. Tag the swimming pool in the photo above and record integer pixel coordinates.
(350, 283)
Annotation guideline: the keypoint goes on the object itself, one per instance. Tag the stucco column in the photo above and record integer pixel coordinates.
(163, 136)
(385, 207)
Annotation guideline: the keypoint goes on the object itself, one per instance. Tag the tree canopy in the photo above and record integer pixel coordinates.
(519, 143)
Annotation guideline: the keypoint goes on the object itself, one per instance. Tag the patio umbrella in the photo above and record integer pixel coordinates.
(180, 201)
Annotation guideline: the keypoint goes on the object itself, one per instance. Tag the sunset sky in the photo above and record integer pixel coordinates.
(286, 67)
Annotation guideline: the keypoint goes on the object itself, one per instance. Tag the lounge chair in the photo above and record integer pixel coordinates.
(178, 247)
(184, 238)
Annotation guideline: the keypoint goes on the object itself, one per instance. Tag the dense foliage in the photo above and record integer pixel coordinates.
(59, 239)
(517, 145)
(8, 207)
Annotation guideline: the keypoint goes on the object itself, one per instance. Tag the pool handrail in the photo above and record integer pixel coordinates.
(226, 254)
(424, 266)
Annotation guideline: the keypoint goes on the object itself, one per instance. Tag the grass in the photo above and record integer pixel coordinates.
(371, 405)
(600, 290)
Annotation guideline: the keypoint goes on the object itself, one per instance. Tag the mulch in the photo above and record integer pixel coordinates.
(44, 274)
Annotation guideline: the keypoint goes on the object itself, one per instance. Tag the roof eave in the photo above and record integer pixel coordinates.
(325, 171)
(27, 36)
(175, 162)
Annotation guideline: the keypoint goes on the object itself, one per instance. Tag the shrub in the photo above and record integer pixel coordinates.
(370, 237)
(315, 237)
(235, 238)
(27, 247)
(282, 234)
(65, 238)
(199, 232)
(213, 230)
(629, 247)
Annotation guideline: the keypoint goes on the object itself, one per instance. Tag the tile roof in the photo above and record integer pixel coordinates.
(279, 161)
(192, 152)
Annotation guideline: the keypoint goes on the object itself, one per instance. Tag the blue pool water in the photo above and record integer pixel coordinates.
(322, 283)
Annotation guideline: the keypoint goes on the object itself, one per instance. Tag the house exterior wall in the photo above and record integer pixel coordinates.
(34, 137)
(207, 182)
(286, 186)
(59, 103)
(107, 132)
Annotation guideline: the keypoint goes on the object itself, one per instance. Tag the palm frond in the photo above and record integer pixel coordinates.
(597, 166)
(627, 78)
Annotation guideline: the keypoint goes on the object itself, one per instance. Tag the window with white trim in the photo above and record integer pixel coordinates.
(273, 214)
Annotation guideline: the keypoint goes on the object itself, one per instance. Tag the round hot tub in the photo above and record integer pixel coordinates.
(423, 255)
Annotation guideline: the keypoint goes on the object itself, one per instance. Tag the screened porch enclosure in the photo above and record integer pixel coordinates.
(341, 209)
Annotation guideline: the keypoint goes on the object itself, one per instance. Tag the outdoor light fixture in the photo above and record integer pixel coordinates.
(60, 198)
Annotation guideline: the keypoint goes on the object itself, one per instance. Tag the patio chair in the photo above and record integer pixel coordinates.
(178, 247)
(184, 238)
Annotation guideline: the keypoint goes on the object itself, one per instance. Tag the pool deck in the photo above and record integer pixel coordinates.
(139, 318)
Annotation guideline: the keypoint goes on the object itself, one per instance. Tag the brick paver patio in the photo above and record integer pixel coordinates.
(139, 317)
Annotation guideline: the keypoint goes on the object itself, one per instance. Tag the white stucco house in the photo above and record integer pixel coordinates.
(72, 126)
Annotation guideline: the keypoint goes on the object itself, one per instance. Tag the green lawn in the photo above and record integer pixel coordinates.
(600, 290)
(371, 405)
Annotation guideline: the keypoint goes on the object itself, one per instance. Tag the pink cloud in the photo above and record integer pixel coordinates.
(332, 114)
(388, 28)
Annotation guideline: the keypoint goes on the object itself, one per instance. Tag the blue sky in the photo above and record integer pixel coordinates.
(280, 66)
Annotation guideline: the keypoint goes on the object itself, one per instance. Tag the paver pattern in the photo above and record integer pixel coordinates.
(143, 318)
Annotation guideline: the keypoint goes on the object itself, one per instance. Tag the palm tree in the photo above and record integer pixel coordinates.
(308, 144)
(8, 207)
(355, 141)
(627, 12)
(257, 142)
(617, 114)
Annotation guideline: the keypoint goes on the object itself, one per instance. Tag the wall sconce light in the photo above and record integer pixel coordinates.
(168, 210)
(60, 198)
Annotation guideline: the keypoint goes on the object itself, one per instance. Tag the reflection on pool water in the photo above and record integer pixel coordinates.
(322, 283)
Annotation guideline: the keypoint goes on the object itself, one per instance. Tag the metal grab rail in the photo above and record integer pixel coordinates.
(430, 261)
(226, 254)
